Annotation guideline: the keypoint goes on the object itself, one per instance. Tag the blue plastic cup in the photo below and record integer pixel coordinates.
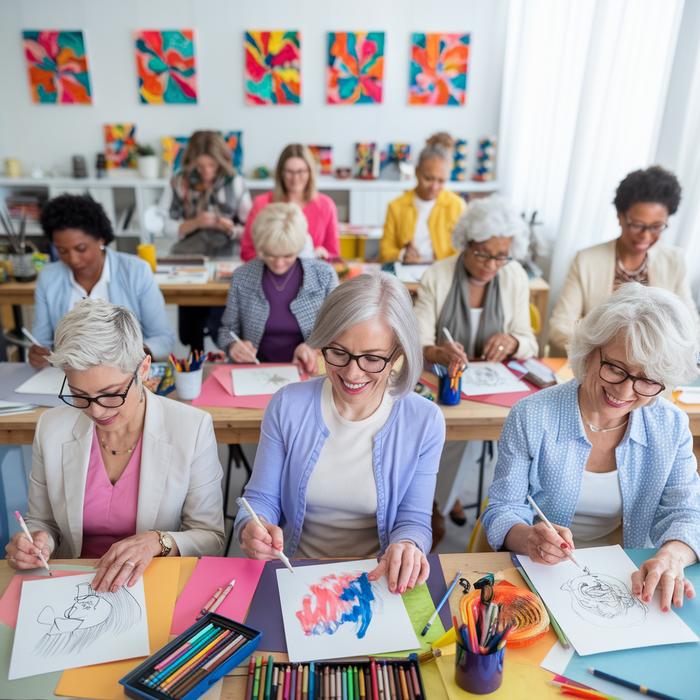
(446, 394)
(478, 673)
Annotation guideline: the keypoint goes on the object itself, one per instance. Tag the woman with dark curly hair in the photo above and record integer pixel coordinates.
(644, 201)
(80, 231)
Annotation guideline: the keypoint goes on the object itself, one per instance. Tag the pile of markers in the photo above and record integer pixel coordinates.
(189, 364)
(376, 679)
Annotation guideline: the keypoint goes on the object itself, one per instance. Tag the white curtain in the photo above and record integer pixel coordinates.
(584, 88)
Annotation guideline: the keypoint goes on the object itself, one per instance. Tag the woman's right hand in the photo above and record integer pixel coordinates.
(450, 355)
(261, 542)
(411, 254)
(38, 355)
(22, 554)
(242, 351)
(546, 547)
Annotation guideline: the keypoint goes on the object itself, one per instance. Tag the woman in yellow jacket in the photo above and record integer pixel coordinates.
(419, 223)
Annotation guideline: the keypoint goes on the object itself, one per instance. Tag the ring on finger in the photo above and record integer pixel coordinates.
(501, 348)
(129, 563)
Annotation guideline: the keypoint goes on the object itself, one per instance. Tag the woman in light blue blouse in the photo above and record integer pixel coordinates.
(604, 456)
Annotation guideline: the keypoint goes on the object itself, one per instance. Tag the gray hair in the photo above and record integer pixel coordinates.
(660, 331)
(487, 217)
(96, 333)
(377, 295)
(439, 146)
(280, 229)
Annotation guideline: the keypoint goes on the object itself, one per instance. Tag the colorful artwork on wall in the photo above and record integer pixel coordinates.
(173, 148)
(120, 145)
(57, 66)
(438, 69)
(366, 161)
(485, 168)
(234, 140)
(272, 67)
(459, 161)
(355, 67)
(323, 155)
(391, 158)
(165, 63)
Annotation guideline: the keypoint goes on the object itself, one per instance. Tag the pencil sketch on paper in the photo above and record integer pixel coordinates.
(490, 378)
(89, 616)
(254, 381)
(604, 600)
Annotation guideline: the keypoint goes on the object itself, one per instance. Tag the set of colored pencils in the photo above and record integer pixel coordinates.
(378, 679)
(189, 364)
(484, 631)
(186, 666)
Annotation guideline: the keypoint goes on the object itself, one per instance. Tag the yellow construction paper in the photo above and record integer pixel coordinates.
(101, 681)
(187, 566)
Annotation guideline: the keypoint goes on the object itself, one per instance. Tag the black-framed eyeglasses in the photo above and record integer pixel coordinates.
(486, 257)
(366, 362)
(104, 400)
(613, 374)
(636, 227)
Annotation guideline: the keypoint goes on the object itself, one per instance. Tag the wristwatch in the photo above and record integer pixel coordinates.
(166, 542)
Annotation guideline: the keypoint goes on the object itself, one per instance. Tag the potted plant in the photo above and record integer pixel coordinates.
(147, 161)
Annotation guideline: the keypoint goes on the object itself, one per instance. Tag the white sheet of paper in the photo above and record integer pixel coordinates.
(176, 274)
(63, 624)
(45, 381)
(597, 610)
(490, 378)
(410, 273)
(318, 624)
(254, 381)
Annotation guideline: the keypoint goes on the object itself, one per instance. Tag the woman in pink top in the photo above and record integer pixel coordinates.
(295, 182)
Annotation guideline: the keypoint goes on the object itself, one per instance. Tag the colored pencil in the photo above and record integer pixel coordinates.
(578, 692)
(630, 684)
(209, 603)
(172, 678)
(438, 607)
(416, 683)
(404, 685)
(543, 518)
(392, 680)
(181, 649)
(222, 596)
(256, 680)
(312, 681)
(156, 677)
(251, 673)
(268, 679)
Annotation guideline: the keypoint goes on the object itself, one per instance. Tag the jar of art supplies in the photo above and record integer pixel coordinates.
(449, 388)
(23, 269)
(478, 673)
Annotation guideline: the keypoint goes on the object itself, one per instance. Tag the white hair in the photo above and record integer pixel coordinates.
(280, 229)
(661, 333)
(487, 217)
(96, 333)
(378, 295)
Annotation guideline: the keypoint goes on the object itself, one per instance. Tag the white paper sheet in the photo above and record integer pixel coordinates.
(45, 381)
(254, 381)
(62, 623)
(490, 378)
(177, 274)
(334, 611)
(596, 609)
(410, 273)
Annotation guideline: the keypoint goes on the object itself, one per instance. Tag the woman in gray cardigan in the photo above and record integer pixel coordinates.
(273, 300)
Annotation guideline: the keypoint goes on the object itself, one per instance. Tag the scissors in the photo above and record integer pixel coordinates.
(485, 586)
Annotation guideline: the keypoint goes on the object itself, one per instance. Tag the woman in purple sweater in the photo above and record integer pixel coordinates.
(346, 463)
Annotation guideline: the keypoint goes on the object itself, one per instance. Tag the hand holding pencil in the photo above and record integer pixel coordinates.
(457, 358)
(28, 550)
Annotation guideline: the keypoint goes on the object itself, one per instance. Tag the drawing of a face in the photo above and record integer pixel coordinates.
(604, 601)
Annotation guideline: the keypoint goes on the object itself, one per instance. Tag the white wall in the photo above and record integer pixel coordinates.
(49, 134)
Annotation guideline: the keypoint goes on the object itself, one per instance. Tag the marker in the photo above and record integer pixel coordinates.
(451, 588)
(629, 684)
(279, 554)
(220, 599)
(238, 340)
(543, 518)
(25, 529)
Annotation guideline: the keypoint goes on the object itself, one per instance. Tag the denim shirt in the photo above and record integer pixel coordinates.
(543, 451)
(406, 454)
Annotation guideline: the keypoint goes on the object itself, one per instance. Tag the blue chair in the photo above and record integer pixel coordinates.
(15, 461)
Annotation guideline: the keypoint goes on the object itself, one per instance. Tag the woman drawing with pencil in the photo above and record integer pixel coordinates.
(346, 463)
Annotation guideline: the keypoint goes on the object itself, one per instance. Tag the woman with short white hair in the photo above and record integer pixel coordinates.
(118, 474)
(606, 458)
(346, 463)
(273, 300)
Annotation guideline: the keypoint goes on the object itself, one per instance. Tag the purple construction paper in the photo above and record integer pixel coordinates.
(265, 612)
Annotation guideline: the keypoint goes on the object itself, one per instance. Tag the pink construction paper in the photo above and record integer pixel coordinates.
(213, 394)
(208, 575)
(504, 400)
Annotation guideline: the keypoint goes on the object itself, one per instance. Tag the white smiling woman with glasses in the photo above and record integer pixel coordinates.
(604, 456)
(346, 463)
(118, 474)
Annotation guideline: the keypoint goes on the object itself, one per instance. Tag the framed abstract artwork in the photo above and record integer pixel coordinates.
(120, 145)
(172, 150)
(323, 155)
(57, 67)
(366, 161)
(234, 140)
(355, 68)
(165, 63)
(438, 74)
(272, 67)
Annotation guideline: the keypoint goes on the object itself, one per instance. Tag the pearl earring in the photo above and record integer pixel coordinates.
(102, 247)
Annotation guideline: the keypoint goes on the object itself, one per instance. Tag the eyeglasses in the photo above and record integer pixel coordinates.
(636, 227)
(612, 374)
(104, 400)
(296, 173)
(485, 257)
(367, 363)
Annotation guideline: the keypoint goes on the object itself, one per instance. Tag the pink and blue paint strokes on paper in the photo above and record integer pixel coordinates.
(336, 600)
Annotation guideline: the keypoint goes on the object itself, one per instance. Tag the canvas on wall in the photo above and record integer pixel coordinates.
(355, 67)
(173, 150)
(234, 140)
(272, 67)
(120, 145)
(323, 155)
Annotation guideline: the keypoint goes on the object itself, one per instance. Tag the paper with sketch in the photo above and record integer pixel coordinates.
(46, 381)
(490, 378)
(62, 623)
(595, 607)
(255, 381)
(333, 611)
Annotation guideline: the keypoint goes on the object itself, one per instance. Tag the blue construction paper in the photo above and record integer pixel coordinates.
(673, 669)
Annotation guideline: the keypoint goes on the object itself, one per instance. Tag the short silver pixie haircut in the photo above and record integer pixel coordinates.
(280, 229)
(96, 333)
(487, 217)
(660, 331)
(376, 295)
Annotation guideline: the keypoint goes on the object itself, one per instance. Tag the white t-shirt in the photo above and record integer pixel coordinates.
(421, 236)
(341, 495)
(598, 517)
(99, 291)
(474, 321)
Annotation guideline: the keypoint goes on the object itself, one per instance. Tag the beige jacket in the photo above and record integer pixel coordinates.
(590, 282)
(179, 483)
(515, 297)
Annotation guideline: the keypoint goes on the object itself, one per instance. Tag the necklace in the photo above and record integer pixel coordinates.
(287, 277)
(114, 453)
(596, 429)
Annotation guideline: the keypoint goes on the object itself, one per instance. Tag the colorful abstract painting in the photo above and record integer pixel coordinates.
(173, 148)
(166, 68)
(120, 145)
(438, 69)
(323, 155)
(234, 140)
(355, 68)
(57, 65)
(390, 159)
(366, 161)
(272, 67)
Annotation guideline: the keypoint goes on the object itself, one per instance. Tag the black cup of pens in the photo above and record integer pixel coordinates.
(478, 673)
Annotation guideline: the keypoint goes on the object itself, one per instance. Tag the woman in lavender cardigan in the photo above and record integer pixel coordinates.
(346, 463)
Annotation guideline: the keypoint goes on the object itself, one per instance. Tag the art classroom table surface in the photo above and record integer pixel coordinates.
(472, 566)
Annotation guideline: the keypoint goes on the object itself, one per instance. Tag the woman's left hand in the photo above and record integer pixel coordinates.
(306, 358)
(499, 347)
(665, 571)
(125, 561)
(321, 253)
(404, 565)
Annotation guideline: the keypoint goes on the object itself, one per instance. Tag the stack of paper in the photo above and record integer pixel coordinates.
(9, 407)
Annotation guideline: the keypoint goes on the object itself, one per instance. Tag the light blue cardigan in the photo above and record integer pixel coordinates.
(543, 451)
(406, 455)
(131, 284)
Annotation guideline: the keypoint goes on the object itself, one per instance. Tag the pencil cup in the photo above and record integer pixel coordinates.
(147, 252)
(446, 394)
(23, 269)
(188, 384)
(478, 673)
